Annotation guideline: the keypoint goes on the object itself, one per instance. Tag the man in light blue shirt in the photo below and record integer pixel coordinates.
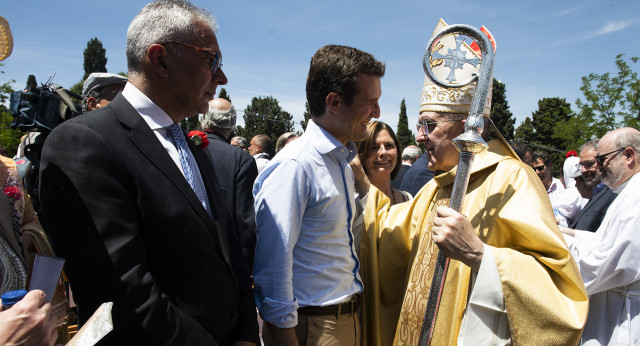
(306, 268)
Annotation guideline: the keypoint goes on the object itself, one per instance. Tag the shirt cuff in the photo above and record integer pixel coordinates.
(279, 314)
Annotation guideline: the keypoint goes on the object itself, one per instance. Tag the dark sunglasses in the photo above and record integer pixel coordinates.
(602, 158)
(539, 168)
(217, 59)
(588, 164)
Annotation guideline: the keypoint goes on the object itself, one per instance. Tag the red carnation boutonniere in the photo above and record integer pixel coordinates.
(571, 153)
(198, 138)
(13, 193)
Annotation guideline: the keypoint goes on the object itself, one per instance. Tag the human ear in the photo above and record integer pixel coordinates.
(333, 102)
(157, 56)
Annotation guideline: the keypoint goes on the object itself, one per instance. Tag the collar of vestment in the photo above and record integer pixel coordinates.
(325, 143)
(152, 114)
(496, 152)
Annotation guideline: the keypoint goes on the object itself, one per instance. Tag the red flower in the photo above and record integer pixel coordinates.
(13, 193)
(198, 138)
(571, 153)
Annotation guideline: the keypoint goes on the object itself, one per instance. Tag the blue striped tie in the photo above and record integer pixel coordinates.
(188, 162)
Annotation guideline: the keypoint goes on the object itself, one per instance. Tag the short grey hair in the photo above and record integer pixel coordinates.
(590, 145)
(215, 118)
(411, 153)
(162, 21)
(241, 141)
(625, 139)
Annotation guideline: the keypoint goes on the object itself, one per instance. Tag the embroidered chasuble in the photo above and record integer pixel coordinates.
(545, 300)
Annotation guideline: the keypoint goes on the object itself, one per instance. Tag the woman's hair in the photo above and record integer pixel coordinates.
(365, 146)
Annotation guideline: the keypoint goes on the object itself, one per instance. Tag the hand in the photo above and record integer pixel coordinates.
(243, 343)
(567, 231)
(29, 322)
(281, 336)
(455, 237)
(361, 183)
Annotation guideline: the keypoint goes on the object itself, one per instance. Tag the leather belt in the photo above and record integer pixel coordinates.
(349, 307)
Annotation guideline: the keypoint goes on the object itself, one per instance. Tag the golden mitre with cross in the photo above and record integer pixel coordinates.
(455, 62)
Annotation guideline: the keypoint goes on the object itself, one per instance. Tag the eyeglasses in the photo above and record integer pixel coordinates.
(602, 158)
(428, 126)
(539, 168)
(588, 164)
(217, 59)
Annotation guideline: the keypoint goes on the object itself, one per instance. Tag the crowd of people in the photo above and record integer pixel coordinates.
(328, 238)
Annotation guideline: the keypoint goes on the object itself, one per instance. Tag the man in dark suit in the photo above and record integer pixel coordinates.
(417, 176)
(589, 185)
(132, 205)
(236, 171)
(409, 156)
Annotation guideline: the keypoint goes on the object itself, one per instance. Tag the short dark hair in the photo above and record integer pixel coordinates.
(365, 146)
(539, 154)
(334, 68)
(521, 149)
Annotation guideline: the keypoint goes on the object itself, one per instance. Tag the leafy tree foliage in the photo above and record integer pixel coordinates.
(550, 112)
(9, 138)
(609, 103)
(223, 95)
(95, 58)
(500, 113)
(31, 82)
(612, 101)
(265, 116)
(405, 136)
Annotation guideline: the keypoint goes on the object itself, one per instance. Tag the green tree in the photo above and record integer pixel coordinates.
(500, 113)
(31, 82)
(524, 132)
(405, 136)
(95, 58)
(612, 101)
(223, 95)
(265, 116)
(9, 138)
(550, 112)
(306, 115)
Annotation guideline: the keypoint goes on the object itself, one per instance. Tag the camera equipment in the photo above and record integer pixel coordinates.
(40, 109)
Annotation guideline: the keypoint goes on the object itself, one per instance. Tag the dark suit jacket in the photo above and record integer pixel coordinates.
(133, 232)
(397, 181)
(417, 176)
(236, 171)
(590, 217)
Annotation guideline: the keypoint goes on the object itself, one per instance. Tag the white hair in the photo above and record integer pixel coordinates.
(222, 119)
(162, 21)
(411, 153)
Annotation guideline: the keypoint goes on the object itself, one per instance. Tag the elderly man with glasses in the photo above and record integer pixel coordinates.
(608, 259)
(134, 206)
(511, 278)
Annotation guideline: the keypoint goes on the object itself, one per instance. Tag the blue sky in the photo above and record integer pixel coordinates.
(543, 47)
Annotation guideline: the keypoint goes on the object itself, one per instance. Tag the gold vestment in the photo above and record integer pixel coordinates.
(507, 206)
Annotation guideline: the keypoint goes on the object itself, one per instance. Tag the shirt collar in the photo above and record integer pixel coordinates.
(326, 143)
(152, 114)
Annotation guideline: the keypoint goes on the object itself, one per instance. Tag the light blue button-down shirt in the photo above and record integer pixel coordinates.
(305, 204)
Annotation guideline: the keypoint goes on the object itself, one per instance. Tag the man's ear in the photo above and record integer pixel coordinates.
(158, 59)
(92, 103)
(333, 101)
